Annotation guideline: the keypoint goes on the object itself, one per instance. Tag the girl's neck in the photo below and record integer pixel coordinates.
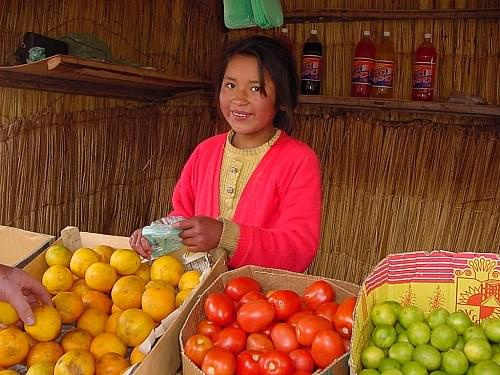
(245, 141)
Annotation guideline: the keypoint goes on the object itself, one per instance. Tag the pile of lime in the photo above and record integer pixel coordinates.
(406, 342)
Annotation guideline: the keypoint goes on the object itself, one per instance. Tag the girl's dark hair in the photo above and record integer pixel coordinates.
(275, 59)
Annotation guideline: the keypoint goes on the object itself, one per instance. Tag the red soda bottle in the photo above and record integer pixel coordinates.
(311, 65)
(424, 71)
(362, 72)
(383, 72)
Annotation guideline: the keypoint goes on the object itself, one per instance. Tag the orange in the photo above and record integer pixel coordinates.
(136, 356)
(41, 368)
(76, 339)
(81, 260)
(127, 292)
(69, 305)
(58, 254)
(47, 324)
(80, 287)
(167, 268)
(181, 296)
(111, 364)
(158, 302)
(8, 372)
(8, 315)
(100, 276)
(76, 361)
(14, 346)
(115, 309)
(160, 284)
(107, 342)
(93, 320)
(104, 251)
(96, 300)
(189, 280)
(57, 279)
(144, 272)
(125, 261)
(112, 322)
(134, 326)
(44, 352)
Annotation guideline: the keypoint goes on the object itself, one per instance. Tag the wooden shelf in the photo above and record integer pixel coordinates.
(402, 105)
(74, 75)
(326, 15)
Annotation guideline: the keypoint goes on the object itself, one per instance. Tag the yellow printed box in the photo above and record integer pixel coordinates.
(468, 282)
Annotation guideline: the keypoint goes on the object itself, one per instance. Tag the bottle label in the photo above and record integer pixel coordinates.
(311, 65)
(383, 73)
(362, 71)
(423, 75)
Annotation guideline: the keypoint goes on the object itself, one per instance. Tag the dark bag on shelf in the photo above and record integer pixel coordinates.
(52, 46)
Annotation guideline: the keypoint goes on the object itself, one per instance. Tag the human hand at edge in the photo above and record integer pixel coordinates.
(22, 291)
(200, 233)
(140, 244)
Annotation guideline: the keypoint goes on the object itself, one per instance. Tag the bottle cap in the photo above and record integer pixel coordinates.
(366, 33)
(284, 30)
(387, 33)
(427, 35)
(314, 31)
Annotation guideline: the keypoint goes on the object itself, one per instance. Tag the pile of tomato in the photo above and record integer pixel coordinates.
(280, 332)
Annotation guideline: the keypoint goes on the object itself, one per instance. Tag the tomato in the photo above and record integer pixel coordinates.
(267, 331)
(219, 309)
(207, 328)
(344, 316)
(302, 372)
(232, 339)
(219, 361)
(237, 287)
(247, 362)
(317, 293)
(302, 360)
(326, 347)
(259, 341)
(251, 296)
(283, 336)
(196, 347)
(254, 316)
(294, 319)
(275, 362)
(285, 303)
(327, 310)
(309, 326)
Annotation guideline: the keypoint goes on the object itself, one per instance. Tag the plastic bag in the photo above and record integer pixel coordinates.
(238, 14)
(163, 238)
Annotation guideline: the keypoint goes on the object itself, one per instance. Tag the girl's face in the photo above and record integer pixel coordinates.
(249, 113)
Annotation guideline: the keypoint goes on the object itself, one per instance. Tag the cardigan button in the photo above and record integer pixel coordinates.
(234, 170)
(230, 190)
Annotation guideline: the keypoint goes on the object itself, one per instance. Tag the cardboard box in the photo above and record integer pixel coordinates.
(269, 279)
(468, 282)
(164, 356)
(19, 246)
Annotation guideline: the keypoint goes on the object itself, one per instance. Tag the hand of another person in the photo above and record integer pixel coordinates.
(22, 291)
(200, 233)
(140, 244)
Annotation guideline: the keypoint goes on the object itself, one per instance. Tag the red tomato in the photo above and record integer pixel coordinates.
(344, 316)
(251, 296)
(267, 331)
(317, 293)
(237, 287)
(254, 316)
(275, 362)
(308, 327)
(294, 319)
(327, 310)
(259, 341)
(232, 339)
(283, 336)
(302, 360)
(302, 372)
(326, 347)
(219, 309)
(285, 303)
(207, 328)
(196, 347)
(219, 361)
(247, 362)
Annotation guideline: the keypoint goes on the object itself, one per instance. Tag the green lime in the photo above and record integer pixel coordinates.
(413, 368)
(384, 336)
(491, 328)
(444, 337)
(455, 362)
(486, 368)
(392, 371)
(418, 333)
(470, 371)
(409, 315)
(401, 352)
(403, 337)
(369, 371)
(437, 318)
(399, 328)
(396, 306)
(477, 350)
(459, 344)
(460, 321)
(438, 372)
(428, 356)
(495, 348)
(496, 358)
(383, 314)
(388, 363)
(474, 332)
(371, 357)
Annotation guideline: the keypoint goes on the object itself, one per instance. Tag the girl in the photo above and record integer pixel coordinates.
(254, 191)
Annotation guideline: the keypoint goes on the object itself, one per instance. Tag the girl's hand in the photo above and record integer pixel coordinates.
(140, 244)
(200, 233)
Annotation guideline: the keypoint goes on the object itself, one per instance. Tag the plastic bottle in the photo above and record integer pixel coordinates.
(383, 71)
(311, 65)
(285, 39)
(362, 70)
(424, 70)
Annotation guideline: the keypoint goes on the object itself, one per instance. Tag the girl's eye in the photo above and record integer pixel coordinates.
(229, 85)
(255, 88)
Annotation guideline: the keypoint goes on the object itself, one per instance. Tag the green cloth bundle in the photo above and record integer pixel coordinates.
(248, 13)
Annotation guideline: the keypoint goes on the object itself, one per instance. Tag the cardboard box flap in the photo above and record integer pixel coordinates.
(17, 245)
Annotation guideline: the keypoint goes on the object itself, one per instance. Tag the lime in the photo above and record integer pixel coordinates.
(470, 371)
(486, 368)
(403, 337)
(477, 350)
(414, 368)
(437, 318)
(459, 344)
(438, 372)
(474, 332)
(401, 352)
(384, 336)
(428, 356)
(383, 314)
(396, 306)
(496, 358)
(492, 329)
(399, 328)
(455, 362)
(444, 337)
(409, 315)
(392, 371)
(418, 333)
(369, 371)
(460, 321)
(387, 364)
(371, 357)
(495, 348)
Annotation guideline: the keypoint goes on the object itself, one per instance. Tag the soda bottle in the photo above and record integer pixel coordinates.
(424, 70)
(383, 72)
(311, 65)
(363, 62)
(287, 42)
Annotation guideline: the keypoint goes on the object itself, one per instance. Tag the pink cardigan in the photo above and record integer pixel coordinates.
(279, 211)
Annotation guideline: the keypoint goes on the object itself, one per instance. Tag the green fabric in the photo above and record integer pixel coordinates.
(238, 14)
(267, 13)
